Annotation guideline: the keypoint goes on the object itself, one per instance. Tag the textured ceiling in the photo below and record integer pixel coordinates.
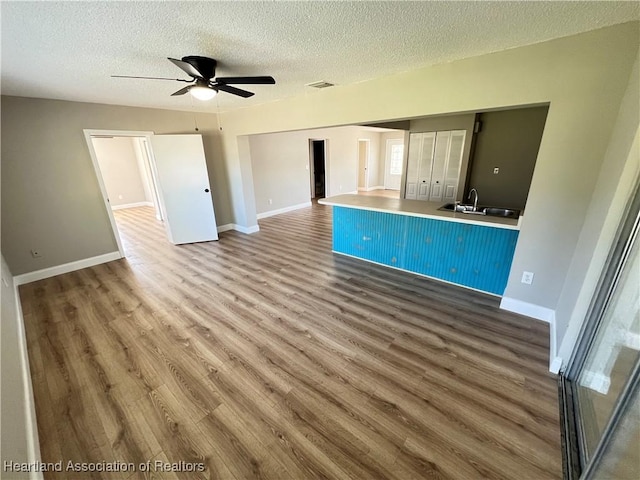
(68, 50)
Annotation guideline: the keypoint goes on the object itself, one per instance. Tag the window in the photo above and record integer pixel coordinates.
(397, 154)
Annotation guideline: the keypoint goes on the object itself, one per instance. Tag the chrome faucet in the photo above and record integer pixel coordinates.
(475, 200)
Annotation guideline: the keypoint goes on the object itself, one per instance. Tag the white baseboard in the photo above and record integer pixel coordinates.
(131, 205)
(31, 425)
(65, 268)
(291, 208)
(238, 228)
(540, 313)
(370, 189)
(528, 309)
(556, 365)
(595, 381)
(242, 229)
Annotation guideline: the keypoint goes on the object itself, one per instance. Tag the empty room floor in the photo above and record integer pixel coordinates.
(267, 356)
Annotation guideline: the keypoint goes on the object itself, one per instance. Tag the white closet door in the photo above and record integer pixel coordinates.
(454, 161)
(441, 154)
(415, 147)
(426, 161)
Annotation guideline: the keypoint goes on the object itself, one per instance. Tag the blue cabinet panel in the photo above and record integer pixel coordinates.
(471, 255)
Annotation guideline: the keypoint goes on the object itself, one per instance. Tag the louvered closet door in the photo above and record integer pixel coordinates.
(454, 160)
(425, 167)
(440, 156)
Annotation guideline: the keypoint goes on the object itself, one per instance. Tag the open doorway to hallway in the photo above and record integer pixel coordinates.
(317, 168)
(173, 168)
(126, 170)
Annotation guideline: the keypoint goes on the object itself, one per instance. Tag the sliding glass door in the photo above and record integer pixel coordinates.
(603, 380)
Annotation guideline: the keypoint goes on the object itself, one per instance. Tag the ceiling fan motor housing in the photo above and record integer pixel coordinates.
(206, 66)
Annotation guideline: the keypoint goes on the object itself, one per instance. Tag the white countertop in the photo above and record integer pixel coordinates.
(417, 208)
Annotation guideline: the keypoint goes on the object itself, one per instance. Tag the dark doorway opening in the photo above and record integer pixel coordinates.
(318, 185)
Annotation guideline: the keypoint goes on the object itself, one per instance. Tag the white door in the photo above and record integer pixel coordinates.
(415, 147)
(454, 161)
(363, 164)
(425, 165)
(184, 188)
(393, 164)
(441, 154)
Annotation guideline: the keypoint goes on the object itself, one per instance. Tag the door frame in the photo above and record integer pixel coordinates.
(367, 159)
(312, 173)
(88, 134)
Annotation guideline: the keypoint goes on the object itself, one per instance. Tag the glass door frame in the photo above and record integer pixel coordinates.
(575, 462)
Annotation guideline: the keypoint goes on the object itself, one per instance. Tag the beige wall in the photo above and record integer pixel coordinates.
(618, 176)
(120, 170)
(279, 164)
(50, 195)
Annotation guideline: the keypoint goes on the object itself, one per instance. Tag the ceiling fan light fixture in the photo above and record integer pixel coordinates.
(202, 93)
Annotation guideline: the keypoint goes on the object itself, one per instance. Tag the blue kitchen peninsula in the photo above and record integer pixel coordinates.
(473, 251)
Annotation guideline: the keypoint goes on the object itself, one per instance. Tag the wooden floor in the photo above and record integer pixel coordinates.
(381, 193)
(267, 356)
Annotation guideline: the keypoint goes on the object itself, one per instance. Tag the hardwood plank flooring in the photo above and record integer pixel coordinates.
(266, 356)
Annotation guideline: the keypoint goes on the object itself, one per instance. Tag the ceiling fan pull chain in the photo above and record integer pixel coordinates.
(193, 111)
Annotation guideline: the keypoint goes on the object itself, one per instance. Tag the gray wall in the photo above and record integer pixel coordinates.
(50, 195)
(509, 140)
(14, 413)
(120, 171)
(449, 122)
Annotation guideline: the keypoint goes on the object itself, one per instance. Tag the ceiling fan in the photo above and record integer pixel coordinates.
(204, 84)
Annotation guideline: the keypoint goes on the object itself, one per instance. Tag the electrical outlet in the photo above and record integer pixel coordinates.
(270, 201)
(340, 187)
(527, 278)
(496, 171)
(35, 253)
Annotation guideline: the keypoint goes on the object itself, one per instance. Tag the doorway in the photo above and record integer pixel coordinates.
(394, 160)
(317, 168)
(363, 165)
(166, 174)
(126, 171)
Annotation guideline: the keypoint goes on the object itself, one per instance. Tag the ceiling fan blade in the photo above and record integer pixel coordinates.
(182, 91)
(233, 90)
(152, 78)
(259, 80)
(186, 67)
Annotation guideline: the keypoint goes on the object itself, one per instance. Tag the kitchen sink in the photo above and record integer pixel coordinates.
(491, 211)
(501, 212)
